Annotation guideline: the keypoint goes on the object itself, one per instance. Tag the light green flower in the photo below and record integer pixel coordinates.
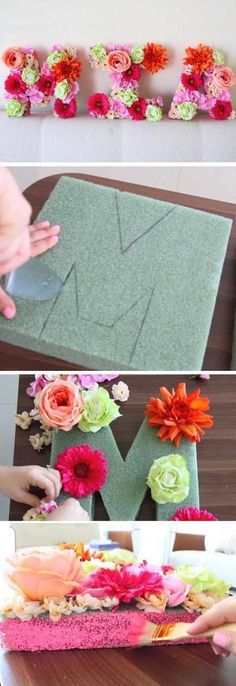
(201, 579)
(187, 110)
(218, 57)
(30, 76)
(99, 52)
(168, 479)
(15, 108)
(128, 96)
(137, 54)
(120, 555)
(62, 89)
(56, 56)
(99, 410)
(153, 113)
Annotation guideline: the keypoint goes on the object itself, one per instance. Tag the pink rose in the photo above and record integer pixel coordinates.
(176, 589)
(60, 405)
(223, 77)
(42, 574)
(118, 60)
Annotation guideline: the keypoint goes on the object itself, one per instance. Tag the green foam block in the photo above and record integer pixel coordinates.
(140, 281)
(125, 487)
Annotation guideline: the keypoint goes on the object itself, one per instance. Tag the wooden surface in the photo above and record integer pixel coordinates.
(216, 452)
(194, 665)
(218, 354)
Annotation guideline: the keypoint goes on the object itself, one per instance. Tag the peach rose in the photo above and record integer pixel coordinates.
(60, 405)
(118, 60)
(224, 77)
(13, 58)
(150, 601)
(42, 574)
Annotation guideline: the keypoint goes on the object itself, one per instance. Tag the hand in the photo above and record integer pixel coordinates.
(223, 643)
(33, 241)
(69, 511)
(15, 483)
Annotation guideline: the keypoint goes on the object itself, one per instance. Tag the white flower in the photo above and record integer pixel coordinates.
(35, 414)
(37, 442)
(30, 514)
(120, 391)
(23, 420)
(47, 436)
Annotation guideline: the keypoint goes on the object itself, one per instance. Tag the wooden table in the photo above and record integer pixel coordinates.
(162, 666)
(218, 353)
(216, 452)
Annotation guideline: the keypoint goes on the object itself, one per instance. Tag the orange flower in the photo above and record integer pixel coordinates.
(201, 58)
(155, 57)
(179, 415)
(13, 58)
(42, 574)
(69, 68)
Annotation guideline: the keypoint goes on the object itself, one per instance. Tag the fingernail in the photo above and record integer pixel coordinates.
(8, 312)
(222, 640)
(45, 223)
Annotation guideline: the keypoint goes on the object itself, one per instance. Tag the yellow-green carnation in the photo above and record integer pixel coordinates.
(201, 579)
(169, 479)
(99, 410)
(137, 54)
(15, 108)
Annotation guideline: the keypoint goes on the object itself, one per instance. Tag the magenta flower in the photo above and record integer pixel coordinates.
(126, 584)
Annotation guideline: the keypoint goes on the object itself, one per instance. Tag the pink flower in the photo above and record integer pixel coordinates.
(65, 110)
(127, 79)
(221, 110)
(204, 377)
(118, 60)
(193, 514)
(223, 77)
(36, 386)
(60, 405)
(14, 84)
(74, 89)
(176, 589)
(46, 84)
(35, 95)
(119, 109)
(126, 584)
(98, 105)
(83, 470)
(137, 111)
(90, 380)
(46, 507)
(192, 82)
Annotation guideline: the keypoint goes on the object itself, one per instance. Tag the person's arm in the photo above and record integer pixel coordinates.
(69, 511)
(223, 643)
(15, 482)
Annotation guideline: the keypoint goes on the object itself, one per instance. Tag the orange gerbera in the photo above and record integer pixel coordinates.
(200, 58)
(155, 57)
(179, 415)
(69, 68)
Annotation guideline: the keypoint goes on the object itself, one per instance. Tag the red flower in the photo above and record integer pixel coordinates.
(83, 470)
(98, 104)
(179, 415)
(46, 85)
(184, 514)
(65, 110)
(14, 84)
(132, 74)
(191, 81)
(126, 584)
(221, 110)
(137, 111)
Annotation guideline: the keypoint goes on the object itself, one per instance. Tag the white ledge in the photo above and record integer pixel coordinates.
(44, 138)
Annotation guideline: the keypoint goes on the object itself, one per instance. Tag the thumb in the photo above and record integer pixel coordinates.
(225, 640)
(7, 305)
(29, 499)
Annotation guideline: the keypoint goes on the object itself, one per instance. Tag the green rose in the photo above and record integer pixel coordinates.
(218, 57)
(153, 113)
(56, 56)
(30, 76)
(201, 579)
(99, 410)
(187, 110)
(99, 52)
(137, 54)
(15, 108)
(128, 97)
(120, 555)
(168, 479)
(62, 89)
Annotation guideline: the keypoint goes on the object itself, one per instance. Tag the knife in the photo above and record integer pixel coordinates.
(32, 281)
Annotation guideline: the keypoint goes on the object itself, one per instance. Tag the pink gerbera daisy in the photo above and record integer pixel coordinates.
(221, 110)
(137, 111)
(98, 105)
(132, 74)
(14, 84)
(46, 84)
(191, 81)
(65, 110)
(126, 584)
(193, 514)
(83, 470)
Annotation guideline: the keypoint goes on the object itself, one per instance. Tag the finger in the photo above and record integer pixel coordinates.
(27, 498)
(7, 305)
(40, 232)
(45, 484)
(226, 641)
(43, 245)
(54, 476)
(221, 613)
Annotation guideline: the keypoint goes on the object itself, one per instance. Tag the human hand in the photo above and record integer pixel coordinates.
(69, 511)
(15, 483)
(34, 240)
(224, 612)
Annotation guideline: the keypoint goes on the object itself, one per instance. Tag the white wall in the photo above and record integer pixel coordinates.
(175, 23)
(209, 182)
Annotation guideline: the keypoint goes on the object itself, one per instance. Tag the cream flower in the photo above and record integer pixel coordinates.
(120, 391)
(56, 607)
(151, 602)
(35, 414)
(37, 442)
(23, 420)
(197, 602)
(47, 436)
(30, 514)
